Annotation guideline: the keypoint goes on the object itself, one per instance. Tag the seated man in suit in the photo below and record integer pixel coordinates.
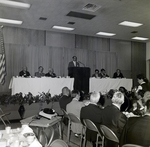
(137, 129)
(112, 117)
(50, 73)
(103, 73)
(93, 112)
(74, 107)
(24, 72)
(65, 98)
(96, 74)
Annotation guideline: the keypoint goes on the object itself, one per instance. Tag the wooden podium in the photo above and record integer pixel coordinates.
(81, 76)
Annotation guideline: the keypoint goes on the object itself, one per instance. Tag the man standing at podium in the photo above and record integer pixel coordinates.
(74, 62)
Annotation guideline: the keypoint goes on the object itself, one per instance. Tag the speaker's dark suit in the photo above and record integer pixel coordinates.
(71, 64)
(92, 112)
(136, 131)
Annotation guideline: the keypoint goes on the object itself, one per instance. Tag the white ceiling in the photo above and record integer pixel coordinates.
(111, 13)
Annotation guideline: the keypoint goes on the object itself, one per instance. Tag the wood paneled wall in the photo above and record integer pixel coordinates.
(35, 48)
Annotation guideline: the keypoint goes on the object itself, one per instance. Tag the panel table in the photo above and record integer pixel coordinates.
(39, 85)
(104, 85)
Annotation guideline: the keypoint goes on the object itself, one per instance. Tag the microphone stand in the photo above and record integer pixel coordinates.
(81, 63)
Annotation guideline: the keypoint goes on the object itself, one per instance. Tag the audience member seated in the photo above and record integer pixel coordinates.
(40, 72)
(113, 118)
(103, 73)
(137, 129)
(138, 103)
(74, 107)
(96, 74)
(93, 112)
(50, 73)
(143, 84)
(127, 103)
(108, 96)
(24, 72)
(118, 74)
(65, 98)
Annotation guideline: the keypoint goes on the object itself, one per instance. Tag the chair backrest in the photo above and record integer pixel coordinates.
(131, 145)
(42, 138)
(74, 118)
(65, 113)
(109, 134)
(90, 125)
(58, 143)
(49, 132)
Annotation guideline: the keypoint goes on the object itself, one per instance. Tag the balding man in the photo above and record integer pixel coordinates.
(93, 112)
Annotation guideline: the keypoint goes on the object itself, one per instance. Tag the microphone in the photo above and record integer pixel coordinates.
(82, 63)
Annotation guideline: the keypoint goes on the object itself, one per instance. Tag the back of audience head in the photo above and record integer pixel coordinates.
(118, 98)
(111, 93)
(65, 91)
(94, 97)
(75, 94)
(142, 78)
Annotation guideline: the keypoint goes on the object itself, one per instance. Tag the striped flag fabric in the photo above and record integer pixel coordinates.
(2, 58)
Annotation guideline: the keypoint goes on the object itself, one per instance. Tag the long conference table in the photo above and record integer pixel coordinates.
(55, 85)
(104, 85)
(38, 85)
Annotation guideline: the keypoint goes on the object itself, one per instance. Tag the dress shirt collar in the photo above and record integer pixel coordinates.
(116, 105)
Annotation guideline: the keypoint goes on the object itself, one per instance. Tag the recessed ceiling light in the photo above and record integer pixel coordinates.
(14, 4)
(63, 28)
(130, 24)
(140, 38)
(105, 34)
(10, 21)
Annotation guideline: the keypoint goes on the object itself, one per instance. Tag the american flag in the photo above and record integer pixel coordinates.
(2, 58)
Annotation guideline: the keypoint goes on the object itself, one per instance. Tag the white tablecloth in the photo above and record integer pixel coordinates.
(39, 85)
(104, 85)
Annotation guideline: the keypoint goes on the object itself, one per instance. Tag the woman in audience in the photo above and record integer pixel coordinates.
(40, 72)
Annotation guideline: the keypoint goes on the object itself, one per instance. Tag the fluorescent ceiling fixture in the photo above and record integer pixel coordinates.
(105, 34)
(14, 4)
(140, 38)
(10, 21)
(130, 24)
(63, 28)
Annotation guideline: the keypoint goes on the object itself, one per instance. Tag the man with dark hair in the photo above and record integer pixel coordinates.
(65, 99)
(103, 73)
(96, 74)
(137, 129)
(74, 62)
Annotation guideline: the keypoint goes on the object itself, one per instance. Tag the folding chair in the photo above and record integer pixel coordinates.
(131, 145)
(91, 126)
(2, 115)
(109, 134)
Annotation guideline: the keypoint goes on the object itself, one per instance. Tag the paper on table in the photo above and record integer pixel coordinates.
(26, 129)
